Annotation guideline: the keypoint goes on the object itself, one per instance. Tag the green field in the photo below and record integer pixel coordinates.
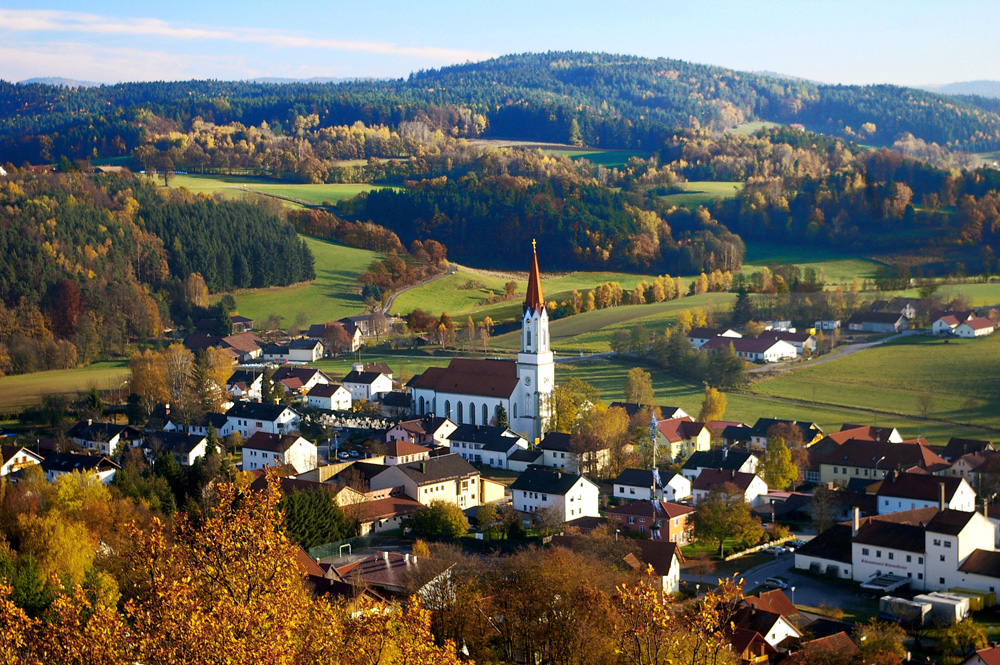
(332, 295)
(404, 366)
(703, 192)
(962, 377)
(607, 158)
(237, 186)
(608, 377)
(838, 267)
(749, 128)
(975, 295)
(17, 392)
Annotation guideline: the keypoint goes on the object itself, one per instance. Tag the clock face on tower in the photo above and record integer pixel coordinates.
(527, 380)
(545, 380)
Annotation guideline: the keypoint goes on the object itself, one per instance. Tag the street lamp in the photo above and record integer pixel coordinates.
(793, 595)
(876, 464)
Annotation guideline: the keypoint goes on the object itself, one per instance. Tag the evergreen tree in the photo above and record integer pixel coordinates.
(502, 417)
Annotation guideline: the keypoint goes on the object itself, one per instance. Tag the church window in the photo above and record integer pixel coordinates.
(486, 415)
(460, 414)
(447, 408)
(514, 405)
(422, 406)
(527, 339)
(472, 413)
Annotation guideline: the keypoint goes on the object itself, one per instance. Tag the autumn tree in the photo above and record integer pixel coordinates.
(439, 519)
(791, 435)
(724, 514)
(597, 446)
(881, 642)
(148, 379)
(568, 398)
(778, 470)
(713, 405)
(638, 387)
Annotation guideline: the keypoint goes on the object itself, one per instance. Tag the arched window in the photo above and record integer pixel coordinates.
(460, 414)
(422, 412)
(447, 408)
(514, 415)
(486, 415)
(527, 338)
(472, 413)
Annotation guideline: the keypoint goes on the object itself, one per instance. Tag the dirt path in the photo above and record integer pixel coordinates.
(452, 267)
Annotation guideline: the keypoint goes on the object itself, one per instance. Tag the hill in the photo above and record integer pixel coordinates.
(980, 88)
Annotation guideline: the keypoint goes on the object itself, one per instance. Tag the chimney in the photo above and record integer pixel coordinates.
(558, 475)
(986, 511)
(941, 502)
(90, 421)
(423, 467)
(385, 557)
(857, 522)
(406, 558)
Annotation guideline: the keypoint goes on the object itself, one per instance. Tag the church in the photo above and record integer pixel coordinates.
(473, 391)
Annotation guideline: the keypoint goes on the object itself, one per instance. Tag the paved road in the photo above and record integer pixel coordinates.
(842, 351)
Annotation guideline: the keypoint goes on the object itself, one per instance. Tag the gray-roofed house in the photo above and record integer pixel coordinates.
(635, 484)
(185, 448)
(521, 460)
(104, 438)
(754, 350)
(263, 450)
(568, 494)
(444, 478)
(482, 444)
(365, 385)
(248, 418)
(14, 458)
(727, 459)
(59, 464)
(878, 322)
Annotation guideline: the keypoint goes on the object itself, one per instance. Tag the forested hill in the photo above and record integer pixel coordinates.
(591, 98)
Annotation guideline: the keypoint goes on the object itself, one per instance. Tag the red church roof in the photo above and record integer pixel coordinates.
(534, 300)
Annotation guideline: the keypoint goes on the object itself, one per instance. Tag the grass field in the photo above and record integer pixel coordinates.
(237, 186)
(961, 376)
(608, 158)
(975, 295)
(749, 128)
(838, 267)
(703, 192)
(332, 295)
(17, 392)
(609, 376)
(403, 366)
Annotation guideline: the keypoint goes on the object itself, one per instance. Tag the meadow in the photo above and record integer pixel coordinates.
(978, 294)
(334, 293)
(703, 192)
(607, 158)
(23, 390)
(961, 377)
(838, 267)
(236, 187)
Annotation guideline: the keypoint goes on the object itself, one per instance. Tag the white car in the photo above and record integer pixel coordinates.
(774, 550)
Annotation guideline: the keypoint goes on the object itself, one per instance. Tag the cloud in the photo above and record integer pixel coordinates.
(30, 20)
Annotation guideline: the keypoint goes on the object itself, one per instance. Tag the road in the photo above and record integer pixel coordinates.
(842, 351)
(452, 267)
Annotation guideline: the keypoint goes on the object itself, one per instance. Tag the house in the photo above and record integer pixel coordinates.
(104, 438)
(305, 350)
(664, 558)
(385, 514)
(445, 478)
(804, 343)
(216, 421)
(810, 432)
(246, 346)
(646, 484)
(725, 458)
(977, 327)
(404, 452)
(680, 437)
(245, 384)
(395, 404)
(878, 322)
(568, 494)
(773, 627)
(827, 324)
(241, 324)
(987, 656)
(858, 458)
(427, 431)
(737, 435)
(183, 447)
(305, 378)
(831, 442)
(755, 350)
(661, 520)
(558, 452)
(248, 418)
(700, 336)
(487, 445)
(59, 464)
(265, 449)
(520, 460)
(13, 458)
(945, 325)
(900, 490)
(369, 325)
(958, 446)
(905, 306)
(364, 385)
(329, 397)
(392, 573)
(336, 337)
(665, 412)
(749, 646)
(750, 485)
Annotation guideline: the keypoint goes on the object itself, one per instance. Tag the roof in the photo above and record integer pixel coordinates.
(436, 469)
(672, 510)
(906, 537)
(390, 570)
(559, 441)
(786, 336)
(549, 481)
(918, 486)
(718, 458)
(759, 621)
(68, 462)
(91, 431)
(979, 323)
(950, 522)
(365, 378)
(949, 320)
(982, 562)
(704, 332)
(958, 446)
(635, 478)
(304, 344)
(864, 432)
(876, 317)
(493, 439)
(709, 479)
(809, 430)
(679, 429)
(742, 639)
(175, 442)
(534, 301)
(245, 376)
(772, 601)
(325, 389)
(7, 453)
(989, 656)
(741, 344)
(467, 376)
(382, 509)
(523, 455)
(866, 454)
(257, 411)
(275, 443)
(833, 544)
(659, 555)
(396, 398)
(377, 367)
(303, 374)
(246, 342)
(401, 448)
(737, 433)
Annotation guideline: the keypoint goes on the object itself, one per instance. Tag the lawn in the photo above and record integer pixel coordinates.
(334, 293)
(703, 192)
(892, 379)
(608, 376)
(838, 267)
(17, 392)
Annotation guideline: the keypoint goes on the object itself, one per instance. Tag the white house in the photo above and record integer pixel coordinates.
(725, 459)
(698, 337)
(299, 379)
(305, 350)
(244, 384)
(445, 478)
(945, 325)
(647, 484)
(487, 445)
(750, 485)
(248, 418)
(330, 397)
(404, 452)
(365, 385)
(104, 438)
(900, 490)
(677, 488)
(59, 464)
(427, 431)
(754, 350)
(183, 447)
(804, 343)
(13, 458)
(264, 449)
(570, 495)
(977, 327)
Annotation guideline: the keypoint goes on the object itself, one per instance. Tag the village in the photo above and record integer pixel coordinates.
(908, 524)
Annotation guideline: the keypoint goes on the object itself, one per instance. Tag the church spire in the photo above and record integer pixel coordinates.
(534, 300)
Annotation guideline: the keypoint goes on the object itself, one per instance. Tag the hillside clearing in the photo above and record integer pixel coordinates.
(25, 390)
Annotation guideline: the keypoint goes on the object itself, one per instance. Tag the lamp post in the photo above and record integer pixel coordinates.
(793, 595)
(877, 463)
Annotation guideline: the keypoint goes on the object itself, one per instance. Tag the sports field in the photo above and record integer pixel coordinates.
(334, 293)
(17, 392)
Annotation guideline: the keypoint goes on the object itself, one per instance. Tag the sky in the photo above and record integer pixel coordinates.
(905, 42)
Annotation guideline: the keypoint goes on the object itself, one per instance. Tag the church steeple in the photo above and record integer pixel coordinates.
(534, 301)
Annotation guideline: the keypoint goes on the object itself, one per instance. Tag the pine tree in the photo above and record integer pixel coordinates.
(502, 417)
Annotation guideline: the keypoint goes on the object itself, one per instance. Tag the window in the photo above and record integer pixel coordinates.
(631, 520)
(844, 471)
(909, 558)
(878, 554)
(631, 490)
(942, 557)
(920, 576)
(447, 408)
(864, 551)
(947, 544)
(937, 541)
(460, 413)
(920, 559)
(891, 556)
(836, 470)
(940, 580)
(514, 406)
(486, 415)
(472, 414)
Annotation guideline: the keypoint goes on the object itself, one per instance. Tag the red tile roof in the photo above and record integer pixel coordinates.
(465, 376)
(774, 601)
(979, 323)
(711, 478)
(989, 656)
(400, 448)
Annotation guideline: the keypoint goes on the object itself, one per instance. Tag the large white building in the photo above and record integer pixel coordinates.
(263, 450)
(474, 391)
(570, 495)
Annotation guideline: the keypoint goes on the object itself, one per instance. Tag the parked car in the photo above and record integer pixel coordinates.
(354, 453)
(343, 455)
(776, 583)
(774, 550)
(797, 543)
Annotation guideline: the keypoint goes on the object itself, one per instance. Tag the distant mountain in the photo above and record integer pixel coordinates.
(314, 79)
(980, 88)
(62, 82)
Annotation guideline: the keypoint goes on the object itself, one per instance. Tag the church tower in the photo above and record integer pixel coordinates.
(532, 408)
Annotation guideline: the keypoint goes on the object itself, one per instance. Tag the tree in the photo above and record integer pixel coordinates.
(743, 309)
(597, 445)
(777, 470)
(147, 379)
(638, 387)
(502, 417)
(725, 368)
(724, 514)
(487, 518)
(713, 405)
(568, 398)
(268, 391)
(925, 403)
(823, 510)
(962, 639)
(881, 641)
(439, 519)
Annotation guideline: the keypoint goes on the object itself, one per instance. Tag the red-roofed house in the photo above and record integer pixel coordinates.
(751, 485)
(989, 656)
(977, 327)
(754, 350)
(945, 325)
(662, 520)
(404, 452)
(329, 396)
(679, 437)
